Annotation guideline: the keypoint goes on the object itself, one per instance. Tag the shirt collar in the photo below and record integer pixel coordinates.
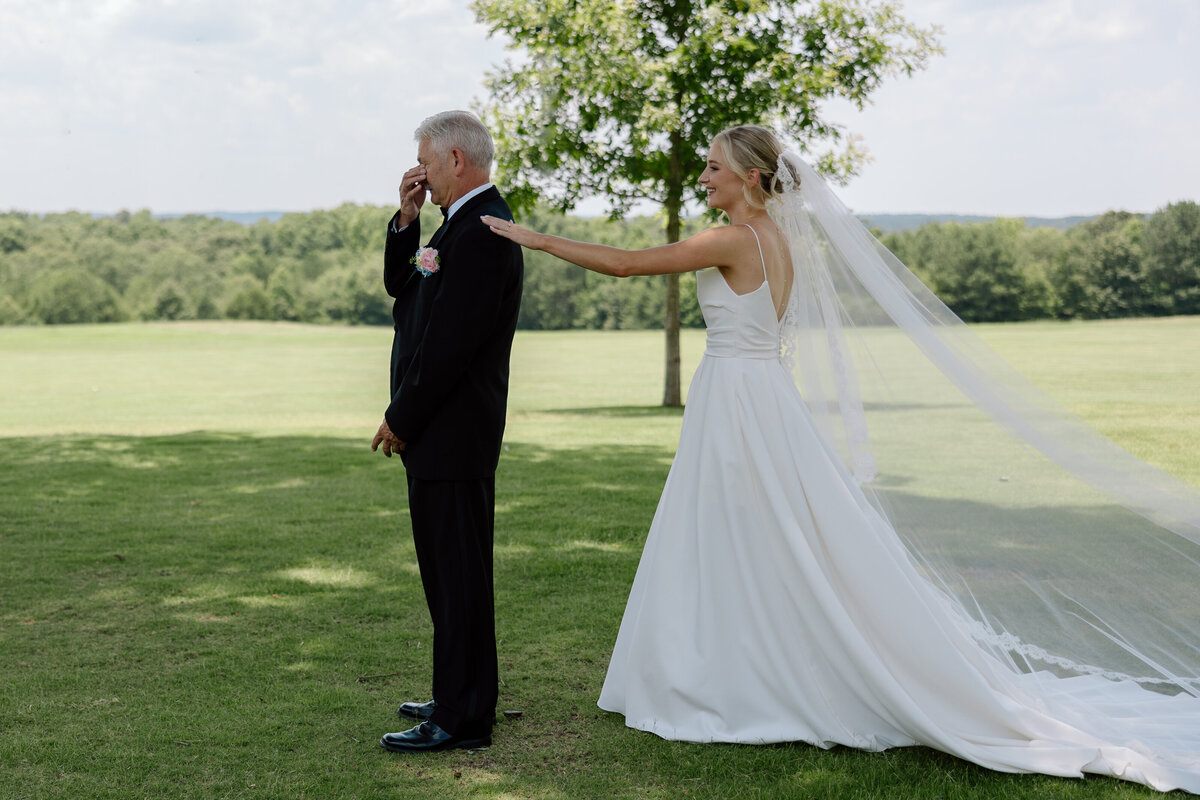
(460, 202)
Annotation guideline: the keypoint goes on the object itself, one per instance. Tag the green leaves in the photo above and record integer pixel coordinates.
(604, 89)
(1172, 252)
(622, 99)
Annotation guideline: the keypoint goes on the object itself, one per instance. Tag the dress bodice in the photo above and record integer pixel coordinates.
(739, 325)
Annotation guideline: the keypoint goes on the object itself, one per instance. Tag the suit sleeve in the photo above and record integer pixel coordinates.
(465, 314)
(398, 249)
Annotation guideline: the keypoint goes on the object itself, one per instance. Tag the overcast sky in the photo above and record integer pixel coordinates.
(1038, 107)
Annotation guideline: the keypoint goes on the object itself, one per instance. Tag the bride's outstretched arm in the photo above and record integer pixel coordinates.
(717, 247)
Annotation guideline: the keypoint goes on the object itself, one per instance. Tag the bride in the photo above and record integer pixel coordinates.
(913, 547)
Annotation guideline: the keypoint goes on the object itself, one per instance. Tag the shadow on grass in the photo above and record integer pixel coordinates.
(620, 412)
(635, 412)
(218, 610)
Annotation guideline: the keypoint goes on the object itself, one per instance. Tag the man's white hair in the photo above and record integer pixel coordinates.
(460, 129)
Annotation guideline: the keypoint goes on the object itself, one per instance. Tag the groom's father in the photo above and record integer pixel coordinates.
(455, 312)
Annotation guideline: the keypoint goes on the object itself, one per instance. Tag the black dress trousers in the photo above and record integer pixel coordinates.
(453, 529)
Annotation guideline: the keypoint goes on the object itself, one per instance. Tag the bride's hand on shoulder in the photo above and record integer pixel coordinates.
(512, 231)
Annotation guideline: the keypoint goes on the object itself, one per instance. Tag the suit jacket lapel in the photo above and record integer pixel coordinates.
(438, 234)
(433, 242)
(462, 213)
(491, 194)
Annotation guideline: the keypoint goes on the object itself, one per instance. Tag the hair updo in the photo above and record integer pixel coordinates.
(748, 147)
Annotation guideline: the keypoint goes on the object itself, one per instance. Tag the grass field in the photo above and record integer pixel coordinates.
(208, 588)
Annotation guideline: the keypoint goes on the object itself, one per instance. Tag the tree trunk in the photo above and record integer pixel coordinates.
(672, 391)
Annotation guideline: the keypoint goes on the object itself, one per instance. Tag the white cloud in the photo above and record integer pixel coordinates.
(1039, 106)
(1054, 24)
(188, 24)
(221, 103)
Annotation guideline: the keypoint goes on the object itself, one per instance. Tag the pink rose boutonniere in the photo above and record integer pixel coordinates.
(427, 261)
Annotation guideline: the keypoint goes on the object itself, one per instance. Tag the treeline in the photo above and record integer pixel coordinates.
(325, 266)
(321, 266)
(1116, 265)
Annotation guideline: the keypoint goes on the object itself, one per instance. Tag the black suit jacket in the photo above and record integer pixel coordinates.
(454, 332)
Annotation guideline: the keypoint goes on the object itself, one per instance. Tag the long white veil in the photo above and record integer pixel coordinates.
(1059, 550)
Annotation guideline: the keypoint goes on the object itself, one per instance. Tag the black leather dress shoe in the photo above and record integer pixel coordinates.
(429, 738)
(418, 711)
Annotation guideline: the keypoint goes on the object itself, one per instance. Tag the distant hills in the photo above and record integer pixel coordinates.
(244, 217)
(888, 223)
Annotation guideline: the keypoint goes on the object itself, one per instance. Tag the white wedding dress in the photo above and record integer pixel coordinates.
(773, 603)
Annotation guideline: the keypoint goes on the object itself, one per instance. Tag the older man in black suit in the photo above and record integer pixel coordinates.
(455, 313)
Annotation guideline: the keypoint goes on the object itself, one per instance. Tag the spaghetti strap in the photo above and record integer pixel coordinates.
(761, 259)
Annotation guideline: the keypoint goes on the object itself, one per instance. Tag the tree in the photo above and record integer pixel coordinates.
(13, 235)
(974, 270)
(169, 303)
(1101, 272)
(11, 312)
(1171, 239)
(1037, 249)
(74, 295)
(354, 294)
(622, 99)
(247, 299)
(284, 292)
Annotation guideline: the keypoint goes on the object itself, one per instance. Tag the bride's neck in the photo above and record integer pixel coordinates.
(745, 215)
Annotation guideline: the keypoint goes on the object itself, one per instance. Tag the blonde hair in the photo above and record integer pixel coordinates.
(748, 147)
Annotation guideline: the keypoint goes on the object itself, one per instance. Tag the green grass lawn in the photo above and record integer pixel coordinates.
(208, 587)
